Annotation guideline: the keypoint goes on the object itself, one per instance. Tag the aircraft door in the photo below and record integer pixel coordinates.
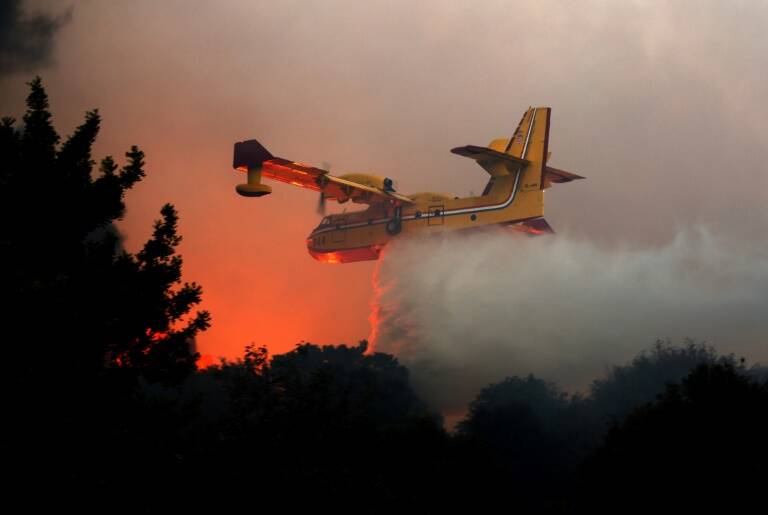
(436, 215)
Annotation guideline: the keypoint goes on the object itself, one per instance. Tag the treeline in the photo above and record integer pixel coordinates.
(105, 408)
(344, 428)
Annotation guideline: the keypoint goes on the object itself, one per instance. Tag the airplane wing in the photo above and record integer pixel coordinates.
(339, 188)
(251, 154)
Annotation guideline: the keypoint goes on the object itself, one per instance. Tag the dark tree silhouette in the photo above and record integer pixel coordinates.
(524, 429)
(84, 321)
(700, 447)
(528, 438)
(647, 375)
(329, 425)
(81, 304)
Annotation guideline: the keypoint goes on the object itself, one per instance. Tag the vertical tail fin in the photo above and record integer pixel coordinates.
(529, 142)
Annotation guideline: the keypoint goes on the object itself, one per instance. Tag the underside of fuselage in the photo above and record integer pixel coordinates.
(370, 253)
(345, 247)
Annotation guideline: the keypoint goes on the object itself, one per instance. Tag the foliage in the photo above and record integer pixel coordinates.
(700, 447)
(522, 427)
(341, 425)
(78, 302)
(647, 375)
(85, 322)
(536, 436)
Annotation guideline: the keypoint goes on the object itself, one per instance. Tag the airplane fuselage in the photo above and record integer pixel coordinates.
(361, 235)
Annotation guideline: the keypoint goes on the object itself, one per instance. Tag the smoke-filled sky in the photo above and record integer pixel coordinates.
(660, 104)
(26, 40)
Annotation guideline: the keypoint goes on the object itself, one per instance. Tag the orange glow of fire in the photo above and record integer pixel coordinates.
(156, 336)
(333, 258)
(527, 229)
(275, 168)
(204, 361)
(374, 319)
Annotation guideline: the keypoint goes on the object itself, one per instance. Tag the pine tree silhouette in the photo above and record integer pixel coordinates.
(84, 322)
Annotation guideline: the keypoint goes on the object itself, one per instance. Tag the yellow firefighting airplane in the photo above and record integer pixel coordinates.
(513, 196)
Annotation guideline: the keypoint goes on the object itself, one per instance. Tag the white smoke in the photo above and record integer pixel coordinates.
(462, 311)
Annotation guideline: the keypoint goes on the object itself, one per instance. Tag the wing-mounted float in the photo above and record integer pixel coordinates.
(519, 174)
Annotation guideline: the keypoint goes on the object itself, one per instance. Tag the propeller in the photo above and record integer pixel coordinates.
(321, 198)
(321, 204)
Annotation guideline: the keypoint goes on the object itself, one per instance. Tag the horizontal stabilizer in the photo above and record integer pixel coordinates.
(555, 175)
(487, 154)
